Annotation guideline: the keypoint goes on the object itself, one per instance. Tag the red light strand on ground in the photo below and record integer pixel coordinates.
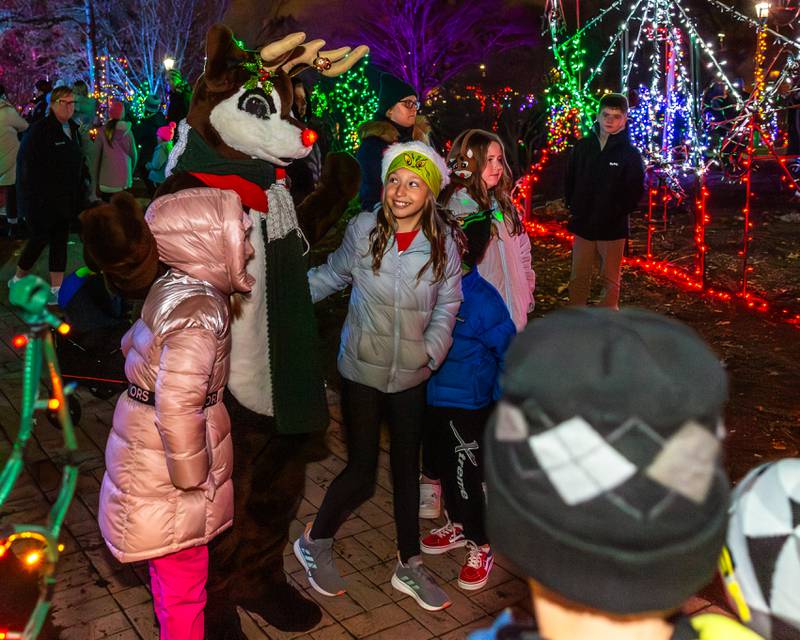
(678, 276)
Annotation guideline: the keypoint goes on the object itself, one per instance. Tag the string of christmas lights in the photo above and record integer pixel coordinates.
(779, 37)
(350, 102)
(682, 278)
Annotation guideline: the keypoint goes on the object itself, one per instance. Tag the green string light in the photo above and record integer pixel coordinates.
(345, 105)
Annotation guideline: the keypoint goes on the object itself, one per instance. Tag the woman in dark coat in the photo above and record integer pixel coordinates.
(50, 187)
(396, 120)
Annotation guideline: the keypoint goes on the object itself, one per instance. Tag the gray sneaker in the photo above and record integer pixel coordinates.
(316, 556)
(414, 580)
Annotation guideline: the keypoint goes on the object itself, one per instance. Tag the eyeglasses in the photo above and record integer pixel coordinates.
(59, 101)
(410, 104)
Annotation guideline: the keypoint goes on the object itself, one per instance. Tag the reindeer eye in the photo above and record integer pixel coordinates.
(257, 103)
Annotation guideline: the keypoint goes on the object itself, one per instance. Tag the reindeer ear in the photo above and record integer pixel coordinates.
(223, 57)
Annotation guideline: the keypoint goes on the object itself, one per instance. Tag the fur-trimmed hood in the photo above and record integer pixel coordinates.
(387, 132)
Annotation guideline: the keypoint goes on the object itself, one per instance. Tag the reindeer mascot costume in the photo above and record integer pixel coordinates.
(239, 134)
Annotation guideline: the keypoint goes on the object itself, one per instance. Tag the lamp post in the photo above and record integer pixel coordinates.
(756, 118)
(169, 63)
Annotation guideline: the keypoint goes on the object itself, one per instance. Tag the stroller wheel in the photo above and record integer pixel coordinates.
(75, 412)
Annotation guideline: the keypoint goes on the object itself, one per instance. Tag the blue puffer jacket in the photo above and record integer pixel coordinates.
(468, 379)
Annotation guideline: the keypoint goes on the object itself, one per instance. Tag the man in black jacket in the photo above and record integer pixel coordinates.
(50, 185)
(605, 180)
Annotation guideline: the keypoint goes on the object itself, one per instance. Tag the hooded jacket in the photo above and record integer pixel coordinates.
(375, 136)
(115, 160)
(469, 377)
(507, 262)
(603, 186)
(11, 125)
(168, 484)
(397, 329)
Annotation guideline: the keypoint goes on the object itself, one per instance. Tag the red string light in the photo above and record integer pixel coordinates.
(678, 276)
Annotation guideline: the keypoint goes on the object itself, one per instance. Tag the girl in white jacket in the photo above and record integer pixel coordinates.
(481, 180)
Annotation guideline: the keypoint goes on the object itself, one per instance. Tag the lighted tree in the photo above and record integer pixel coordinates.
(144, 32)
(44, 39)
(427, 42)
(343, 104)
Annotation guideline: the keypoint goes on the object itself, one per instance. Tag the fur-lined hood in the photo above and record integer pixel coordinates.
(387, 132)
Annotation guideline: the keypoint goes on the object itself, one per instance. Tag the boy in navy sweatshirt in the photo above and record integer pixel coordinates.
(461, 395)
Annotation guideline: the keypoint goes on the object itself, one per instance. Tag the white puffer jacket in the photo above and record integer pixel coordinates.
(506, 264)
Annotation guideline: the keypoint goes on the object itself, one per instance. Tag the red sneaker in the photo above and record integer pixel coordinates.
(450, 536)
(475, 572)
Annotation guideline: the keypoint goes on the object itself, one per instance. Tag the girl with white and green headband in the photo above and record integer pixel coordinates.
(404, 266)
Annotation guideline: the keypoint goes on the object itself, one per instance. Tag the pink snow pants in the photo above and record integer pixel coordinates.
(178, 582)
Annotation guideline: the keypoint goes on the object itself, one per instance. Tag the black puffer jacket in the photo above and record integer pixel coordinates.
(603, 186)
(50, 174)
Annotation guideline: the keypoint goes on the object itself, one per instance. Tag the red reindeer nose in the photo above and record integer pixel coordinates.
(309, 137)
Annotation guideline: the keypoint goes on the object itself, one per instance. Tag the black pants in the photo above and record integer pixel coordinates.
(56, 237)
(11, 202)
(459, 438)
(431, 466)
(363, 409)
(246, 562)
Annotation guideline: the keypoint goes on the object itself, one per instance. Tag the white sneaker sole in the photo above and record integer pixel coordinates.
(404, 588)
(435, 551)
(474, 586)
(299, 555)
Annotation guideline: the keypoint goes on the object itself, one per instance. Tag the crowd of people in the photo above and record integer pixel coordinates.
(59, 159)
(585, 447)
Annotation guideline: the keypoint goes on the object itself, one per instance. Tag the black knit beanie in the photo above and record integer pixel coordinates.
(392, 90)
(603, 459)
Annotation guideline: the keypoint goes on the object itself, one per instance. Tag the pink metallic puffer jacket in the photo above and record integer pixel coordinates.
(167, 485)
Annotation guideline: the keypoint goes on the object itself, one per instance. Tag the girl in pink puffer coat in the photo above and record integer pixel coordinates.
(167, 490)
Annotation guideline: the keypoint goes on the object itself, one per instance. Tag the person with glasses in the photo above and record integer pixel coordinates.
(50, 187)
(397, 119)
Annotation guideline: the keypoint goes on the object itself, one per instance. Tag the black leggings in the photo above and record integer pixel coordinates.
(459, 443)
(11, 202)
(56, 237)
(363, 409)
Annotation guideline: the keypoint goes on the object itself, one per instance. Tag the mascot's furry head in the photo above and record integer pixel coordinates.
(242, 103)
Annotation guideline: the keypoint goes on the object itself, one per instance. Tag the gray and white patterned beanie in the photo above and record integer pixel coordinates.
(603, 459)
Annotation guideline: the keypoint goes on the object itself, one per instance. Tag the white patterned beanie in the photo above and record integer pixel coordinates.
(603, 459)
(763, 550)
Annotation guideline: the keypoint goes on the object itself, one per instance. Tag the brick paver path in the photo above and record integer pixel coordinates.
(97, 597)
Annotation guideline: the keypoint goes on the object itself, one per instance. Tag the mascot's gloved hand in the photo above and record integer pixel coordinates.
(341, 176)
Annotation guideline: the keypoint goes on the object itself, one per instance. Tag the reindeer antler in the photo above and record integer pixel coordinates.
(340, 60)
(276, 53)
(328, 63)
(293, 55)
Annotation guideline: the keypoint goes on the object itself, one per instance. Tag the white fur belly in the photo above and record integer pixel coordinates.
(250, 378)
